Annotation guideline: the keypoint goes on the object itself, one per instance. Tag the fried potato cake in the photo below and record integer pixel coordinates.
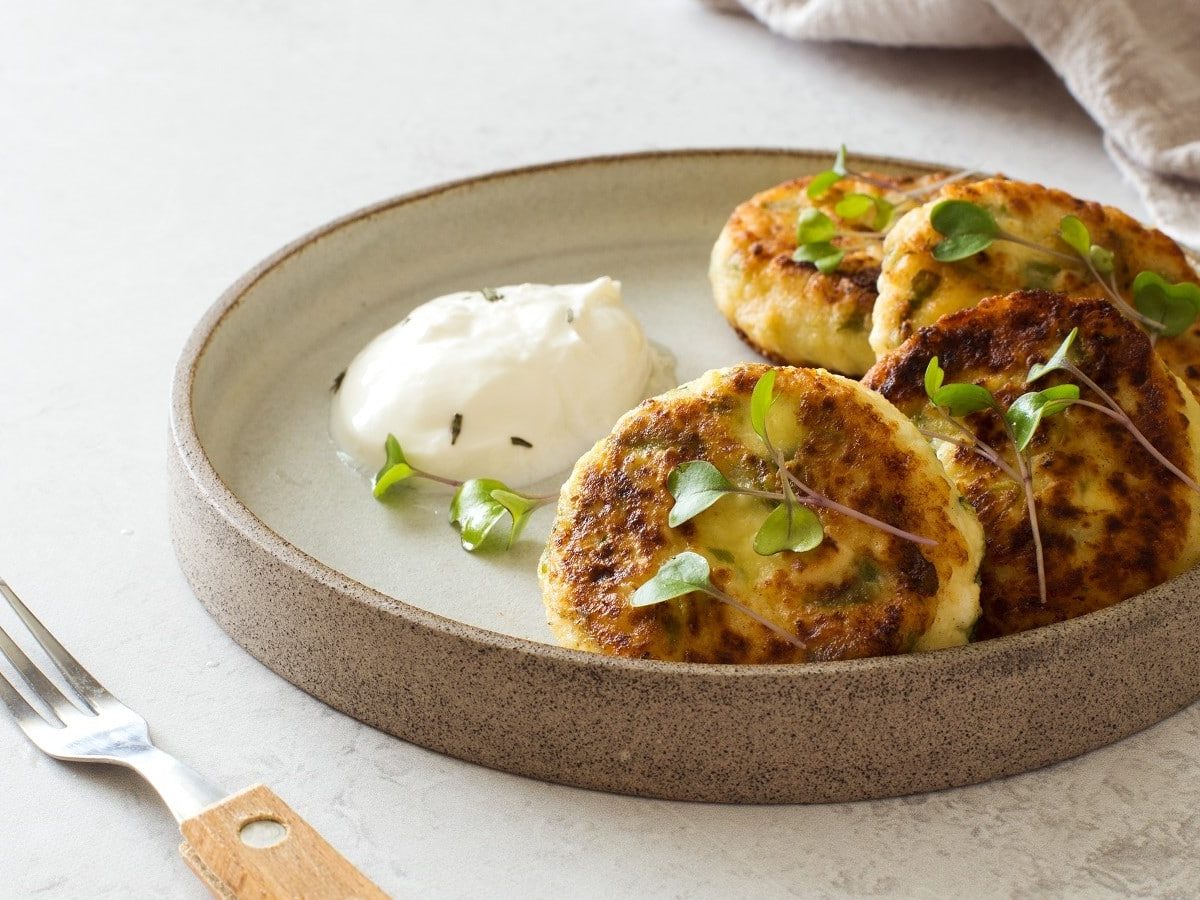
(1113, 520)
(861, 592)
(915, 289)
(786, 310)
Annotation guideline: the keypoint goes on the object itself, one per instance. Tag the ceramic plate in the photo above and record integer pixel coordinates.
(377, 611)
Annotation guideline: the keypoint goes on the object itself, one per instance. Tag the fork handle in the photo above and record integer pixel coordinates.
(252, 844)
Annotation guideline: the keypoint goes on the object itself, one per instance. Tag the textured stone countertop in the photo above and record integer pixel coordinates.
(153, 152)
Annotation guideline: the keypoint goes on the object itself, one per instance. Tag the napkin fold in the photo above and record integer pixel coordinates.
(1134, 65)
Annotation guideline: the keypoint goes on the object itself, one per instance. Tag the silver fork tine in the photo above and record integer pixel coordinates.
(17, 705)
(39, 683)
(75, 674)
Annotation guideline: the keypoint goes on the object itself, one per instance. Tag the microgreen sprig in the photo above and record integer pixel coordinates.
(1161, 308)
(1061, 360)
(1020, 420)
(823, 181)
(968, 229)
(478, 506)
(792, 524)
(689, 573)
(1100, 264)
(815, 230)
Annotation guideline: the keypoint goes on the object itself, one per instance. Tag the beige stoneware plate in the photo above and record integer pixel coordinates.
(376, 611)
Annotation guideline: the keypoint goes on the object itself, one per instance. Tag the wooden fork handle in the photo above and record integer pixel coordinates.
(231, 858)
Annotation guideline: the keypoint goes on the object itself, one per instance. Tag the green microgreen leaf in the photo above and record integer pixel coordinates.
(814, 227)
(821, 183)
(789, 527)
(1175, 306)
(1057, 361)
(1102, 259)
(964, 399)
(678, 576)
(961, 246)
(1075, 235)
(968, 229)
(952, 217)
(394, 471)
(519, 507)
(824, 256)
(883, 213)
(854, 205)
(696, 485)
(480, 504)
(760, 403)
(934, 376)
(1026, 413)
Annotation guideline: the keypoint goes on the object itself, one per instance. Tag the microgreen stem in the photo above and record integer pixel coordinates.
(939, 184)
(1057, 254)
(813, 498)
(883, 183)
(1118, 301)
(1113, 410)
(984, 449)
(741, 607)
(1031, 506)
(980, 449)
(751, 492)
(862, 235)
(420, 473)
(1153, 327)
(1021, 475)
(789, 497)
(539, 499)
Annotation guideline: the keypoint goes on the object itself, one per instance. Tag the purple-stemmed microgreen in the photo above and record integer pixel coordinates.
(1060, 361)
(478, 504)
(688, 573)
(815, 230)
(967, 228)
(820, 184)
(1100, 264)
(1162, 309)
(792, 524)
(1020, 421)
(788, 526)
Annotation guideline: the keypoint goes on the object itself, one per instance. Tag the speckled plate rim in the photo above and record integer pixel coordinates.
(190, 452)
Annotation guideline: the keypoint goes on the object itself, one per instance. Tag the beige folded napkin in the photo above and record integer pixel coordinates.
(1134, 65)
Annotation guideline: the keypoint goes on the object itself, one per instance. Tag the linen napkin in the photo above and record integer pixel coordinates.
(1134, 65)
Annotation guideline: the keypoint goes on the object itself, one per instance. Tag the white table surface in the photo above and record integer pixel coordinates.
(151, 152)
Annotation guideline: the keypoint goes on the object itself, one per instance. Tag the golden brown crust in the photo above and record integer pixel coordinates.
(788, 310)
(915, 289)
(1114, 522)
(862, 592)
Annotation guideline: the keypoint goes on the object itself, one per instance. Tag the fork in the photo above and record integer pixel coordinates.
(248, 844)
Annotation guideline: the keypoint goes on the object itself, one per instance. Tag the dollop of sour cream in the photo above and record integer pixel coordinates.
(513, 383)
